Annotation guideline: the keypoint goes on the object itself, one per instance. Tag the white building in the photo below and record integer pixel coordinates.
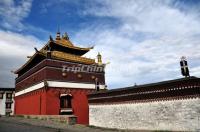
(7, 101)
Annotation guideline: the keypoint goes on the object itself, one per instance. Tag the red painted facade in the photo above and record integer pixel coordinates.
(34, 96)
(33, 103)
(79, 103)
(47, 102)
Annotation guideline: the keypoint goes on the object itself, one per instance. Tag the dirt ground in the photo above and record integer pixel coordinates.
(21, 124)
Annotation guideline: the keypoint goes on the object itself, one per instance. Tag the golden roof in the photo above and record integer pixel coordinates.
(70, 57)
(64, 42)
(68, 44)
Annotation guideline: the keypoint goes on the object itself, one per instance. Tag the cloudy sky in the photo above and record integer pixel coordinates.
(142, 39)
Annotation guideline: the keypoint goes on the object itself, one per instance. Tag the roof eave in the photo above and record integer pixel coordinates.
(23, 66)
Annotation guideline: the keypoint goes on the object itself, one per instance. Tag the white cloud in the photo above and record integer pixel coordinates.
(18, 45)
(13, 12)
(147, 44)
(154, 16)
(14, 49)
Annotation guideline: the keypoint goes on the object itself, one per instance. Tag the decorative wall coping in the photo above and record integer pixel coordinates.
(150, 100)
(173, 89)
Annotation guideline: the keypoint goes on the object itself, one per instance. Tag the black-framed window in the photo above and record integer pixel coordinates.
(65, 101)
(1, 95)
(8, 105)
(8, 95)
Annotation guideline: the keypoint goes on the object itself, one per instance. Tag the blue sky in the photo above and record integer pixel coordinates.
(143, 40)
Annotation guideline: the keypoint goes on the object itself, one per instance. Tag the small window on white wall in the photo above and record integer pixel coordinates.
(8, 105)
(9, 95)
(1, 95)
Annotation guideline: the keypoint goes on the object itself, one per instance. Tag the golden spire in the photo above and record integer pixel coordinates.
(65, 36)
(58, 34)
(99, 59)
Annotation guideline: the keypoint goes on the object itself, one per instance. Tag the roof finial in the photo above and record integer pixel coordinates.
(58, 34)
(36, 50)
(99, 59)
(65, 36)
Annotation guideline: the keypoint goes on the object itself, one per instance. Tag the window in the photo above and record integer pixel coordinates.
(8, 105)
(9, 95)
(1, 95)
(65, 101)
(66, 104)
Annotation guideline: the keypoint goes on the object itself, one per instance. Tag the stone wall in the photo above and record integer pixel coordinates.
(176, 115)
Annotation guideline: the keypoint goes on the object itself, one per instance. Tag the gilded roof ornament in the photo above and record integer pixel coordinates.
(65, 36)
(99, 59)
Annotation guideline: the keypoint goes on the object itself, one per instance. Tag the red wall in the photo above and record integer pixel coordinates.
(47, 102)
(33, 103)
(53, 101)
(80, 106)
(79, 103)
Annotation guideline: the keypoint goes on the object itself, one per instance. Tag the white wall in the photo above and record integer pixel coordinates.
(13, 105)
(164, 115)
(3, 105)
